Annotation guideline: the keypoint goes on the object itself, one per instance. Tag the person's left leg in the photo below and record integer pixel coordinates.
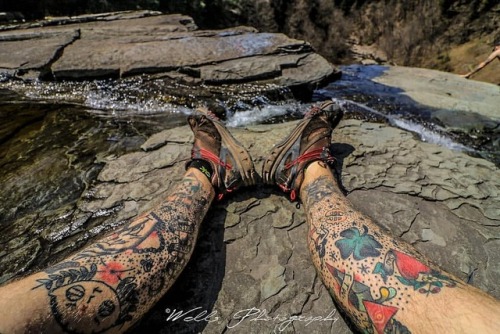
(113, 282)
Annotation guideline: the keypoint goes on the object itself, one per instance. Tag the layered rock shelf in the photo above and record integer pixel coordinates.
(253, 252)
(133, 43)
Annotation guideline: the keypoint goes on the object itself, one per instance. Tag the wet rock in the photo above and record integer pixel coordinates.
(457, 120)
(16, 260)
(438, 106)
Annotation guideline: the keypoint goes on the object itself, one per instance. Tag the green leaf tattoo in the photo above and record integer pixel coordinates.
(359, 245)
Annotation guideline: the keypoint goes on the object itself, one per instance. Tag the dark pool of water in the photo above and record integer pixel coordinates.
(49, 153)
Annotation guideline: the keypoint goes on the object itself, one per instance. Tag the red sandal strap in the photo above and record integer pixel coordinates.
(207, 155)
(318, 154)
(322, 154)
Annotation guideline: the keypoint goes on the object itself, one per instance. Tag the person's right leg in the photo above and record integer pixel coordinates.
(381, 282)
(112, 283)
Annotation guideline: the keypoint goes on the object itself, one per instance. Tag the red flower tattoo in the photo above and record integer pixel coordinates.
(111, 272)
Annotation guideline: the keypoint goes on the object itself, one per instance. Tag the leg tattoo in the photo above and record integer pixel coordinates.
(370, 274)
(113, 282)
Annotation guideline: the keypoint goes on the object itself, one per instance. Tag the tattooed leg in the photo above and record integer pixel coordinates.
(112, 283)
(383, 283)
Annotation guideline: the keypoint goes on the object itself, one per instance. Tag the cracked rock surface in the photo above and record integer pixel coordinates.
(251, 253)
(443, 202)
(252, 250)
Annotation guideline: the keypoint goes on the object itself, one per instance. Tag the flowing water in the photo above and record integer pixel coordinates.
(54, 136)
(363, 97)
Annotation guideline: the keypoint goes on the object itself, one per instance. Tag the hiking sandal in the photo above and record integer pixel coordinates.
(231, 163)
(308, 142)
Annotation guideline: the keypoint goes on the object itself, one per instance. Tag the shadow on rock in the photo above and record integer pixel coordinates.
(196, 289)
(340, 151)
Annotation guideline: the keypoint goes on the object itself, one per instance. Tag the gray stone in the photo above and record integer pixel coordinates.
(252, 251)
(120, 170)
(443, 90)
(105, 46)
(33, 50)
(458, 120)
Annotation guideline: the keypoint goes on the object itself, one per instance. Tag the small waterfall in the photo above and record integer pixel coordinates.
(262, 114)
(425, 134)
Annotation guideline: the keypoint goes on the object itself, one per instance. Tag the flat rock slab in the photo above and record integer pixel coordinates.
(443, 90)
(454, 109)
(32, 50)
(411, 188)
(253, 252)
(127, 45)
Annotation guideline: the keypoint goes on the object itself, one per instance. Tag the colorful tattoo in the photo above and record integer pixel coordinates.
(353, 292)
(372, 276)
(412, 273)
(359, 245)
(117, 279)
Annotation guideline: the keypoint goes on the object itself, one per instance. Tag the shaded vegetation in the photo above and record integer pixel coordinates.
(408, 32)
